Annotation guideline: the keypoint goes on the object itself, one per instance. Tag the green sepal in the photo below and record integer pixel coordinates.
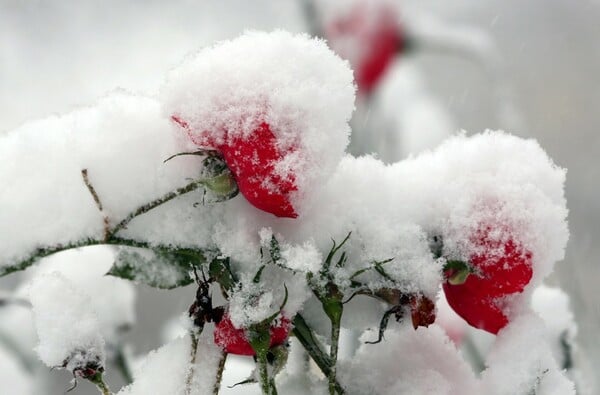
(459, 272)
(222, 185)
(220, 270)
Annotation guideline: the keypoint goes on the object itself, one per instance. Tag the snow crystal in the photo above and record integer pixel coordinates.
(304, 258)
(254, 302)
(552, 305)
(519, 363)
(122, 141)
(295, 84)
(409, 362)
(166, 370)
(111, 299)
(68, 329)
(446, 318)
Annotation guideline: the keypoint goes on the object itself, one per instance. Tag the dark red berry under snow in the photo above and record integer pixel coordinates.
(500, 270)
(235, 340)
(252, 160)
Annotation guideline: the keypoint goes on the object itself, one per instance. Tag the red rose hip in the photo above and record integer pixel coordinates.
(235, 340)
(499, 270)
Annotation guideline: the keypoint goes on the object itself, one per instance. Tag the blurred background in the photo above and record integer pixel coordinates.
(527, 67)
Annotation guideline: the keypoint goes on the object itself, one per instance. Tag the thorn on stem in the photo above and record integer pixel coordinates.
(90, 187)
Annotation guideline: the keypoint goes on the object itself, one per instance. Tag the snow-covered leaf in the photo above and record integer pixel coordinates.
(164, 269)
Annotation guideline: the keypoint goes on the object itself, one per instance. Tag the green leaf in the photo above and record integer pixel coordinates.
(165, 269)
(275, 250)
(220, 270)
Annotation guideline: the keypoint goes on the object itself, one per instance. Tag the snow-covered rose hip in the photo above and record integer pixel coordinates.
(236, 340)
(252, 162)
(275, 106)
(498, 269)
(369, 36)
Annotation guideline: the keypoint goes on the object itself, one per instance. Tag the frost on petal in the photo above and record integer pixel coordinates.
(409, 362)
(290, 91)
(67, 327)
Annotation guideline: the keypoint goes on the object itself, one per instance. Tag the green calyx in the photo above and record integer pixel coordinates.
(457, 272)
(222, 185)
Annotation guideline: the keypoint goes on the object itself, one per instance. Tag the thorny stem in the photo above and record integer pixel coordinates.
(219, 375)
(45, 251)
(267, 383)
(333, 354)
(109, 234)
(90, 187)
(191, 371)
(155, 203)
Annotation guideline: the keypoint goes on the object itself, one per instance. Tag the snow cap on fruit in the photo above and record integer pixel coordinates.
(275, 105)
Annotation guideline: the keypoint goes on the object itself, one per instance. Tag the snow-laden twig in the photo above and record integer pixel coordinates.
(98, 380)
(90, 187)
(192, 186)
(219, 375)
(193, 352)
(110, 237)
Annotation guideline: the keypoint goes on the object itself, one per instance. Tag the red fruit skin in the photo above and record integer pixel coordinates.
(234, 340)
(378, 43)
(252, 161)
(478, 300)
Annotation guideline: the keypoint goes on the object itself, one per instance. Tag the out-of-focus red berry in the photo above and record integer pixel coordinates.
(369, 37)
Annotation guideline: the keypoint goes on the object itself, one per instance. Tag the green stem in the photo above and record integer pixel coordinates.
(122, 365)
(263, 373)
(267, 383)
(46, 251)
(313, 347)
(155, 203)
(193, 353)
(100, 384)
(219, 376)
(109, 234)
(333, 354)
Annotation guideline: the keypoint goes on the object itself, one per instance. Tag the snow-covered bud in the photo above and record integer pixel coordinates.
(68, 330)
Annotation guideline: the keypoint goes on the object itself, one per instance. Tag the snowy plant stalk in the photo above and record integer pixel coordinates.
(267, 383)
(219, 375)
(193, 353)
(98, 380)
(333, 354)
